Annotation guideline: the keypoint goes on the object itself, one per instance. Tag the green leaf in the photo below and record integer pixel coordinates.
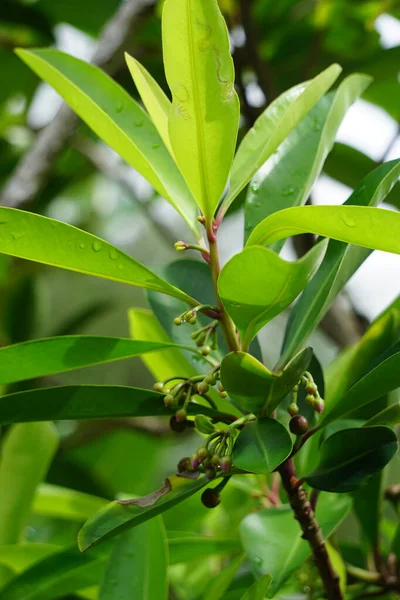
(273, 542)
(256, 285)
(204, 118)
(137, 567)
(381, 379)
(368, 507)
(256, 388)
(56, 575)
(219, 584)
(20, 557)
(40, 239)
(86, 402)
(350, 456)
(368, 227)
(153, 97)
(188, 548)
(396, 543)
(258, 589)
(273, 126)
(116, 517)
(64, 503)
(118, 120)
(262, 446)
(37, 358)
(287, 178)
(338, 565)
(390, 416)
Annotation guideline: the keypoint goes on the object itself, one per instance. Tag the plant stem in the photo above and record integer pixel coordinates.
(311, 530)
(227, 325)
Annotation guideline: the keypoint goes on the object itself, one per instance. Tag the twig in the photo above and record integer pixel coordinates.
(31, 174)
(311, 530)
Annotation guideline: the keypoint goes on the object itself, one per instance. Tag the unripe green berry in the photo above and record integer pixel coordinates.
(318, 405)
(223, 394)
(210, 473)
(206, 350)
(293, 409)
(210, 498)
(210, 379)
(158, 387)
(215, 460)
(203, 387)
(310, 399)
(298, 425)
(226, 464)
(311, 388)
(181, 415)
(191, 318)
(194, 461)
(169, 400)
(178, 321)
(201, 454)
(177, 426)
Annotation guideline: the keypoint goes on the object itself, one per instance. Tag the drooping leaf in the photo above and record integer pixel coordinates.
(86, 402)
(116, 517)
(273, 126)
(65, 503)
(273, 542)
(349, 457)
(262, 446)
(219, 584)
(153, 97)
(204, 118)
(256, 285)
(382, 378)
(256, 388)
(137, 567)
(37, 358)
(288, 176)
(118, 120)
(56, 575)
(258, 589)
(188, 548)
(364, 226)
(40, 239)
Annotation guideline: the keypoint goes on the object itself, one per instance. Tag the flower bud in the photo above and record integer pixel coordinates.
(311, 388)
(215, 460)
(184, 465)
(210, 379)
(210, 498)
(158, 387)
(226, 464)
(206, 350)
(180, 246)
(223, 394)
(178, 321)
(181, 415)
(177, 426)
(203, 424)
(318, 405)
(191, 317)
(210, 473)
(194, 462)
(169, 400)
(202, 387)
(201, 454)
(298, 425)
(310, 399)
(293, 409)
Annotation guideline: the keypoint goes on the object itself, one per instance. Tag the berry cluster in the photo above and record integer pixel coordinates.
(299, 424)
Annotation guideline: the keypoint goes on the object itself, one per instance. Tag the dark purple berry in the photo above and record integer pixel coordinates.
(298, 425)
(210, 498)
(177, 426)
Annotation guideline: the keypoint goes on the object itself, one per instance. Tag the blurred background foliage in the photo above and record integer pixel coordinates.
(275, 44)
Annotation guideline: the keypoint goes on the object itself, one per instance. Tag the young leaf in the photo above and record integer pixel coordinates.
(256, 285)
(254, 387)
(262, 446)
(56, 576)
(204, 118)
(118, 120)
(219, 584)
(368, 227)
(258, 589)
(340, 263)
(273, 542)
(86, 402)
(37, 358)
(65, 503)
(350, 456)
(137, 567)
(40, 239)
(153, 97)
(272, 127)
(288, 176)
(338, 565)
(381, 379)
(116, 517)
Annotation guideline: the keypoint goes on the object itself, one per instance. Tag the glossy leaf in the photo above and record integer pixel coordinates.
(116, 518)
(272, 128)
(390, 417)
(86, 402)
(338, 565)
(153, 97)
(288, 176)
(37, 358)
(219, 584)
(258, 589)
(262, 446)
(351, 456)
(377, 382)
(340, 263)
(256, 388)
(40, 239)
(368, 507)
(137, 567)
(273, 542)
(204, 118)
(56, 575)
(117, 119)
(20, 557)
(65, 503)
(364, 226)
(256, 285)
(188, 548)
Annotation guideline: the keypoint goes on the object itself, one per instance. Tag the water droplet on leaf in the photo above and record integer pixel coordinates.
(139, 123)
(82, 246)
(96, 246)
(254, 188)
(258, 561)
(156, 145)
(288, 190)
(18, 235)
(113, 254)
(119, 107)
(349, 221)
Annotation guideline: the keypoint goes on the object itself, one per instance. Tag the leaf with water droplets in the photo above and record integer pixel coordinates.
(118, 120)
(60, 245)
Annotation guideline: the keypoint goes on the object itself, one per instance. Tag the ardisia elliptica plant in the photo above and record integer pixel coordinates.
(257, 427)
